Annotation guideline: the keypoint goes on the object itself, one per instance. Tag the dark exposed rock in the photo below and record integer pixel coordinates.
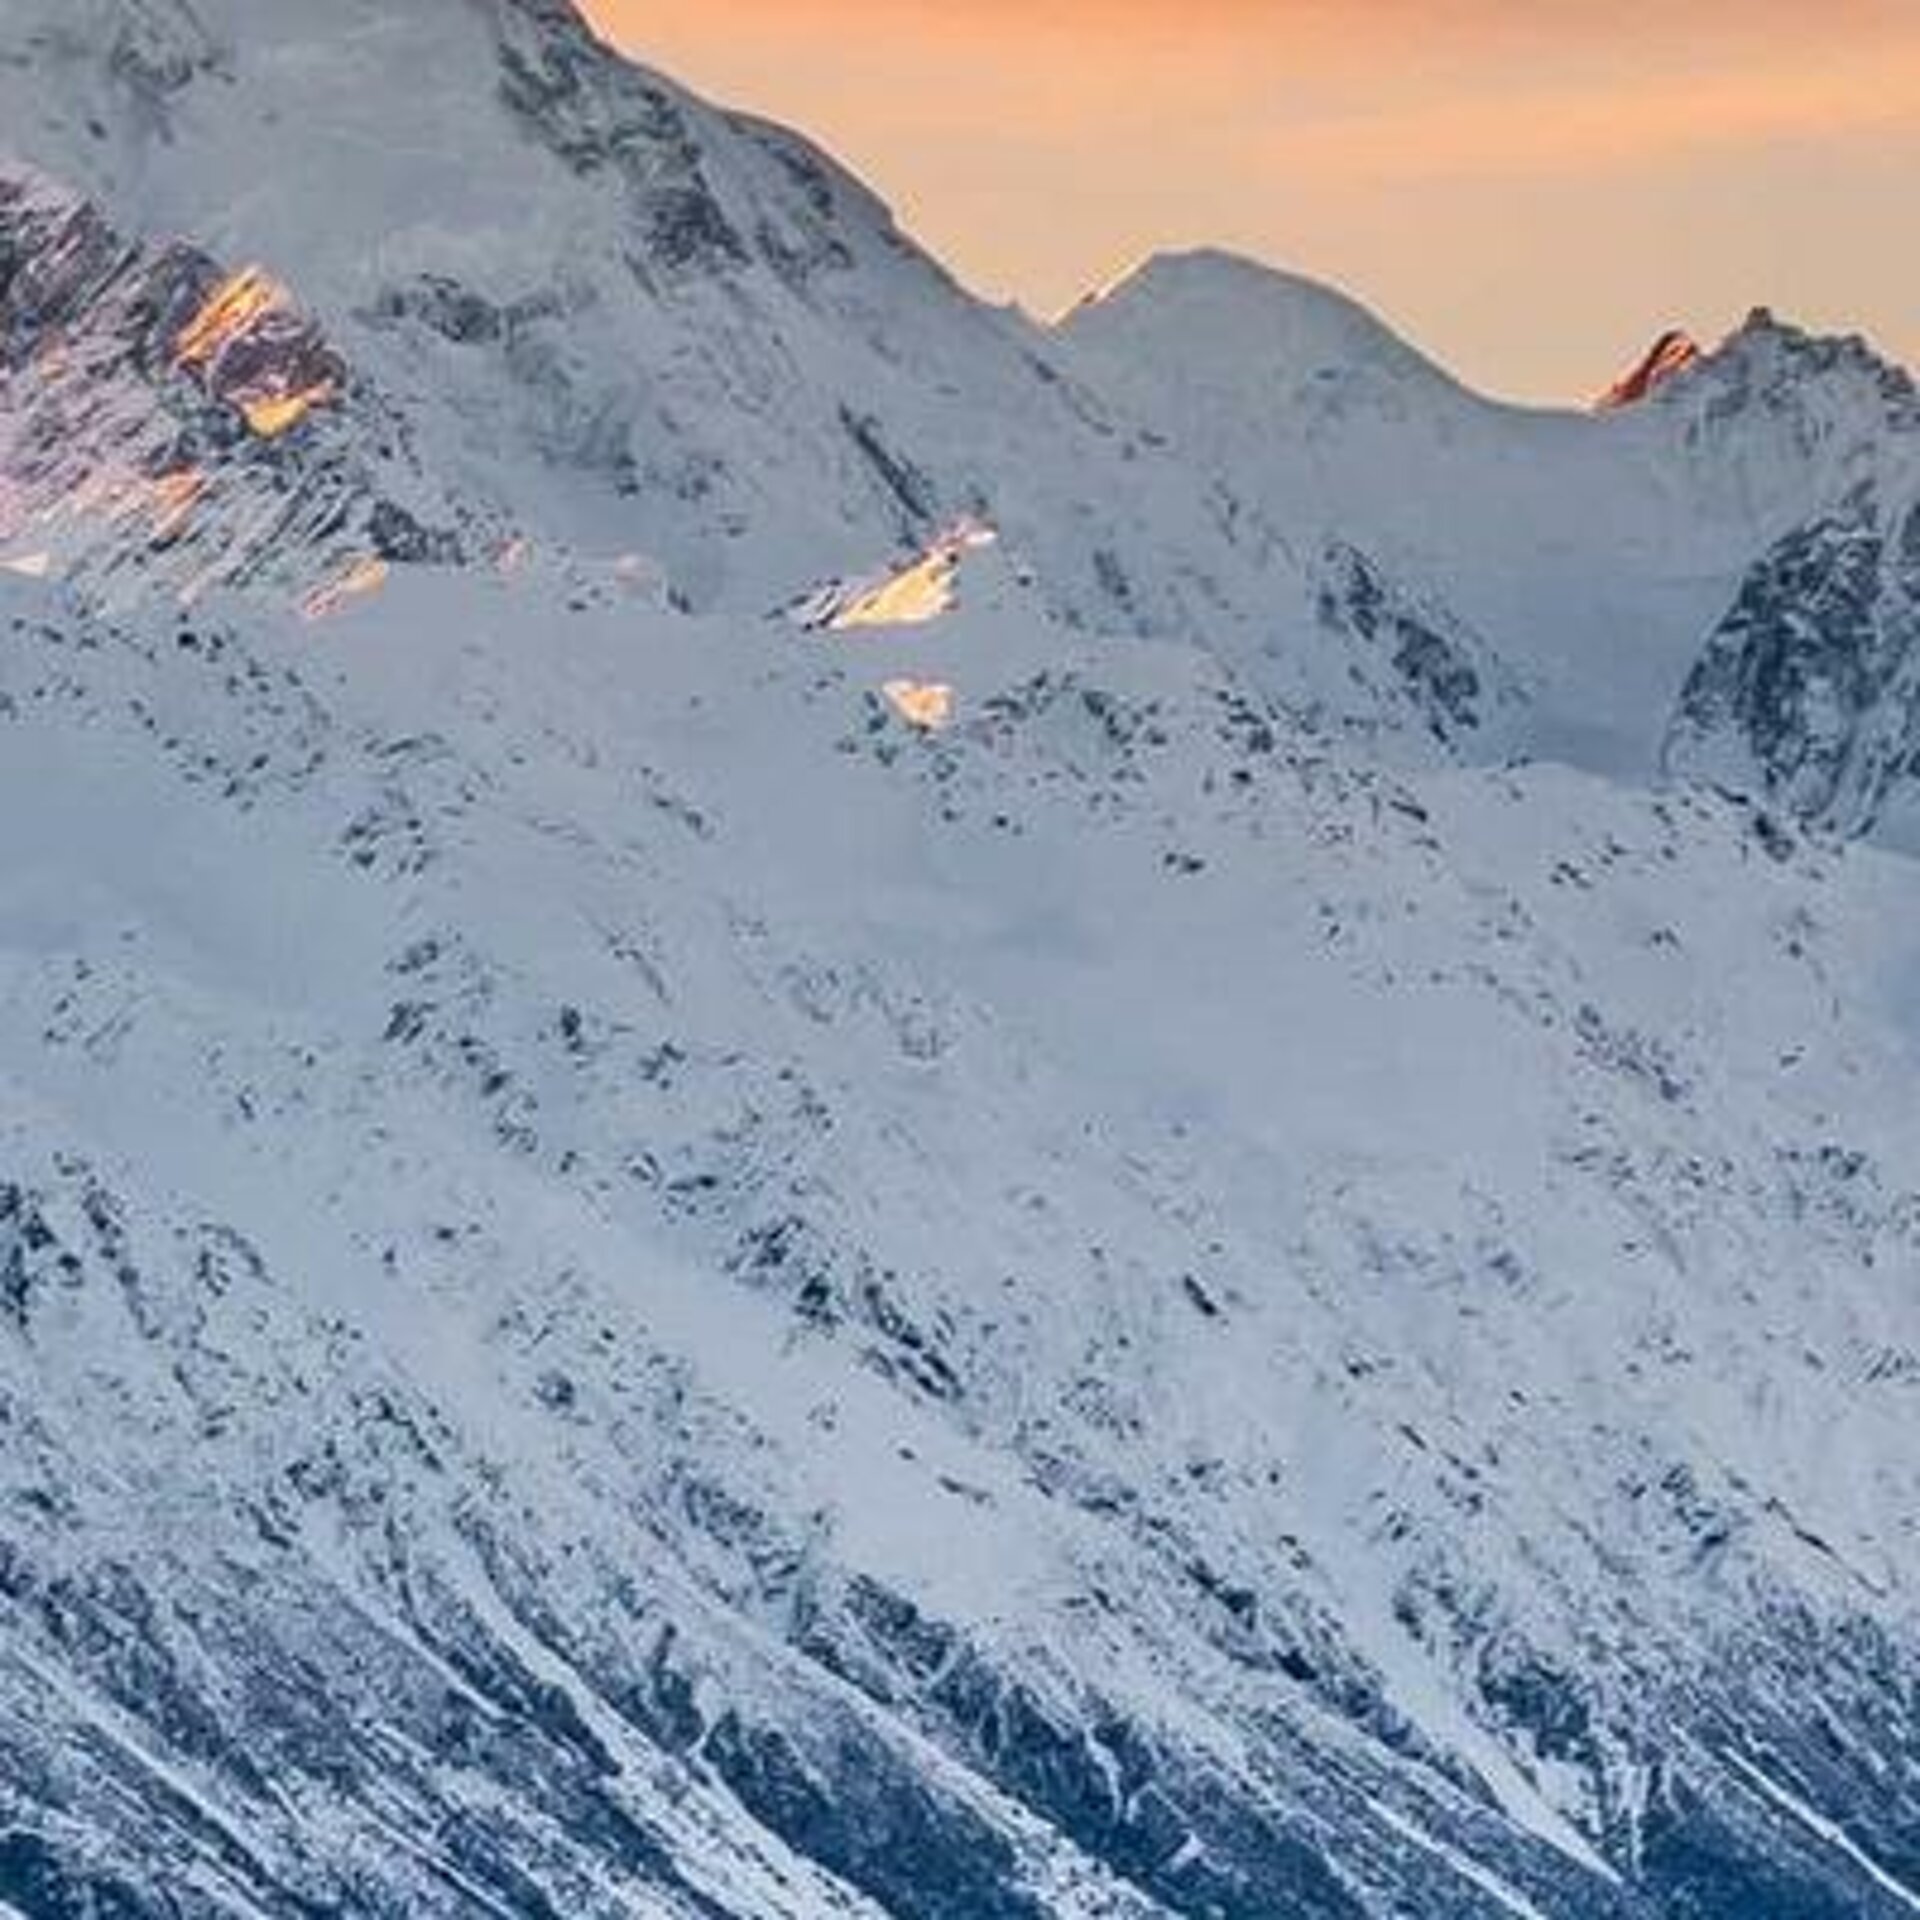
(603, 119)
(1429, 651)
(1809, 690)
(899, 478)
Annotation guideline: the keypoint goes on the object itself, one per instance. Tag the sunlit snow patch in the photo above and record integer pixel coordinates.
(272, 414)
(173, 499)
(926, 704)
(914, 595)
(365, 576)
(29, 566)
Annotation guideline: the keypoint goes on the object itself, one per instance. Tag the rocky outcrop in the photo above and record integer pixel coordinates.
(1418, 657)
(1669, 357)
(169, 422)
(1808, 692)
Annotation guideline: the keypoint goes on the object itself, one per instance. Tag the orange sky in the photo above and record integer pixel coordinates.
(1530, 190)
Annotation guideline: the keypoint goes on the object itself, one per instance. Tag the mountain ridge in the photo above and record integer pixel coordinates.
(806, 337)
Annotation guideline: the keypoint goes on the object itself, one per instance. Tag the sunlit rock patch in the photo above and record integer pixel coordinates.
(175, 495)
(924, 590)
(926, 704)
(250, 347)
(228, 313)
(1669, 357)
(168, 422)
(365, 577)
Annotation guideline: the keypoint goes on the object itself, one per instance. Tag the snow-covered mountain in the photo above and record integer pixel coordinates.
(608, 317)
(1595, 554)
(720, 1199)
(617, 316)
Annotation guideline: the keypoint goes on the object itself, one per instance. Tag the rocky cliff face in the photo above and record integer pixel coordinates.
(176, 425)
(1809, 690)
(1804, 692)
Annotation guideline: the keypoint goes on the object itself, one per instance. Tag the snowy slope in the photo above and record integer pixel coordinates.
(717, 1201)
(570, 1334)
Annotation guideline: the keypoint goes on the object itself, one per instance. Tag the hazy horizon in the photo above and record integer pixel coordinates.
(1530, 200)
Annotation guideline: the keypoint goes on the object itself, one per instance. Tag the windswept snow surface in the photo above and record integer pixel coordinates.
(1191, 1239)
(611, 1249)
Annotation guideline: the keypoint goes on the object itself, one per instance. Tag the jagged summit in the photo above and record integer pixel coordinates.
(1778, 363)
(1771, 365)
(262, 116)
(1670, 356)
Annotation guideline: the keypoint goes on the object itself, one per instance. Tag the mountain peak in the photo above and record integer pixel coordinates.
(1671, 355)
(1775, 364)
(1217, 268)
(1217, 276)
(1210, 307)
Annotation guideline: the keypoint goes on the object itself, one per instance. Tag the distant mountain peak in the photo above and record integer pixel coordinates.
(1211, 309)
(1672, 354)
(1217, 267)
(1219, 276)
(1841, 382)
